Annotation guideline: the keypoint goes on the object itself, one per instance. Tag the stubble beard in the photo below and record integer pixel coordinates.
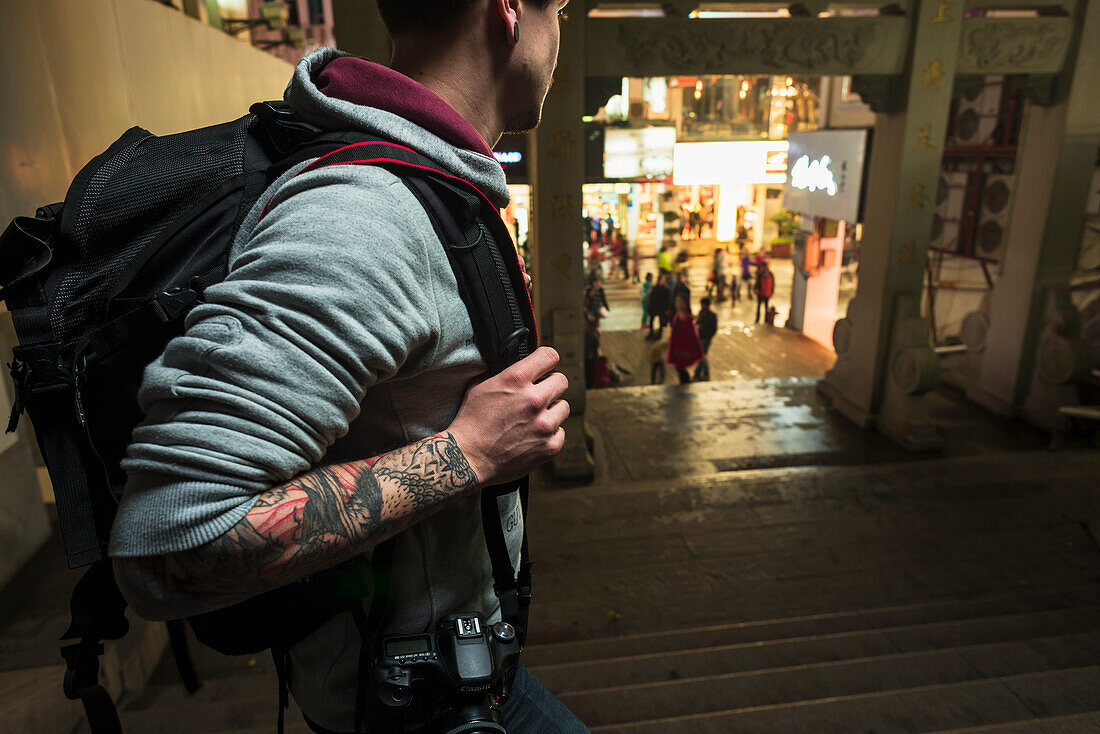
(529, 119)
(525, 122)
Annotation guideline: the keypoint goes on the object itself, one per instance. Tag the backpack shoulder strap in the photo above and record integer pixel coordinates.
(490, 282)
(478, 245)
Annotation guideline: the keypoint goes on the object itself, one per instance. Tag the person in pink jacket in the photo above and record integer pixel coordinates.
(684, 348)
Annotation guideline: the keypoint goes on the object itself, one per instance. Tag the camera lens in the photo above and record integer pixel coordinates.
(474, 718)
(478, 727)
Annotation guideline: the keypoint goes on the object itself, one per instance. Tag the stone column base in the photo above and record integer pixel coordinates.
(575, 460)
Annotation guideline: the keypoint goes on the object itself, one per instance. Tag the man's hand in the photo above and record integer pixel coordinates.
(511, 423)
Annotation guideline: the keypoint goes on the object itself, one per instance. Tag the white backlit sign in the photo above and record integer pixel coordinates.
(508, 156)
(739, 162)
(813, 175)
(826, 173)
(638, 153)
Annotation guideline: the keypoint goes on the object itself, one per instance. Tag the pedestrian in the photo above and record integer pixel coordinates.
(657, 352)
(684, 348)
(681, 289)
(624, 255)
(746, 271)
(595, 302)
(320, 400)
(664, 259)
(721, 271)
(647, 286)
(706, 323)
(591, 353)
(764, 288)
(659, 299)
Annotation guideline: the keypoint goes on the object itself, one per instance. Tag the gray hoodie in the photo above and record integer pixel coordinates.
(338, 335)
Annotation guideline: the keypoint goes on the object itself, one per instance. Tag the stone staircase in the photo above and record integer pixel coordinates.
(917, 668)
(1026, 663)
(945, 595)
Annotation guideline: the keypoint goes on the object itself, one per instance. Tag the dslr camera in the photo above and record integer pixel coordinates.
(453, 681)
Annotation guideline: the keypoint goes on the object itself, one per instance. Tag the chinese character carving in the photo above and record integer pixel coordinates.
(908, 253)
(942, 16)
(561, 145)
(924, 138)
(932, 75)
(562, 265)
(917, 197)
(561, 207)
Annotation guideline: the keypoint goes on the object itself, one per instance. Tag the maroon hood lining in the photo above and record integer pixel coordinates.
(368, 84)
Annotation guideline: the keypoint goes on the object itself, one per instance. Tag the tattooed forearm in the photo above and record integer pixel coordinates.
(317, 520)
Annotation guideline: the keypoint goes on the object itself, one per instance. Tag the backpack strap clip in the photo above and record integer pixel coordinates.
(509, 349)
(43, 374)
(170, 305)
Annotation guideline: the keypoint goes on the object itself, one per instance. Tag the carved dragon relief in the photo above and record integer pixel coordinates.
(771, 47)
(1014, 46)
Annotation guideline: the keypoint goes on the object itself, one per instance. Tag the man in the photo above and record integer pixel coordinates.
(595, 301)
(326, 396)
(706, 323)
(660, 298)
(764, 288)
(664, 259)
(721, 271)
(682, 289)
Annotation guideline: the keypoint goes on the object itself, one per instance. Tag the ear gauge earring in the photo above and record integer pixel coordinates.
(515, 32)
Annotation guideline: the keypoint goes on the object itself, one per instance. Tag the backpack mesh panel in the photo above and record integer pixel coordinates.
(129, 202)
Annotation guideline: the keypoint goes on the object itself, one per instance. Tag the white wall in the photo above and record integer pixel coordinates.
(78, 73)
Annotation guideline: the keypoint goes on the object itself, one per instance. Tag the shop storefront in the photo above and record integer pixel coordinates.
(826, 171)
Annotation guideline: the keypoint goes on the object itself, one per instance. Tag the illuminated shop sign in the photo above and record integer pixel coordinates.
(511, 154)
(740, 162)
(640, 153)
(826, 173)
(814, 175)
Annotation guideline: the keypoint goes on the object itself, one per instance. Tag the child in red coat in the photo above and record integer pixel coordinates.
(684, 348)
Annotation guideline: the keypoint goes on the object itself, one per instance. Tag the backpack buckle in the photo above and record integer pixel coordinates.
(171, 304)
(509, 348)
(44, 375)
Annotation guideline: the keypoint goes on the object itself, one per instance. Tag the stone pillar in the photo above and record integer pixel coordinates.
(557, 175)
(359, 30)
(24, 526)
(885, 363)
(1033, 352)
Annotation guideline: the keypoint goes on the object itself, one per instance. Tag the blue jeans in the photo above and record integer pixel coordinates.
(530, 709)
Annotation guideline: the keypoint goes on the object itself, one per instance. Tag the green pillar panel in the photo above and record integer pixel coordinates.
(935, 53)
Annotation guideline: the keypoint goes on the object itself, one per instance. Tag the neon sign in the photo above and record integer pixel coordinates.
(814, 175)
(508, 156)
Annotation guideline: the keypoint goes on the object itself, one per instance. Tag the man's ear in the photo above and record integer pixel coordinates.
(509, 13)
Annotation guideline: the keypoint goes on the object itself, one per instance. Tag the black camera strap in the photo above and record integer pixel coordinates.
(513, 589)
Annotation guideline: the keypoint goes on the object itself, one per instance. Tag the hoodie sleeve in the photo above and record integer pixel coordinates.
(326, 298)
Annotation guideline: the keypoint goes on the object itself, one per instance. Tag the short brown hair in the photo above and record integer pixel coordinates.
(401, 16)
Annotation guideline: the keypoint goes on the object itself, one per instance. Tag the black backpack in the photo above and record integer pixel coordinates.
(98, 284)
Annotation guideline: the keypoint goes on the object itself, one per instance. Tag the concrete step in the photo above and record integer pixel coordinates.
(712, 679)
(763, 654)
(621, 704)
(1074, 724)
(808, 625)
(1007, 700)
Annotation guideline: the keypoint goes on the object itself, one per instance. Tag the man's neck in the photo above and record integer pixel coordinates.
(458, 82)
